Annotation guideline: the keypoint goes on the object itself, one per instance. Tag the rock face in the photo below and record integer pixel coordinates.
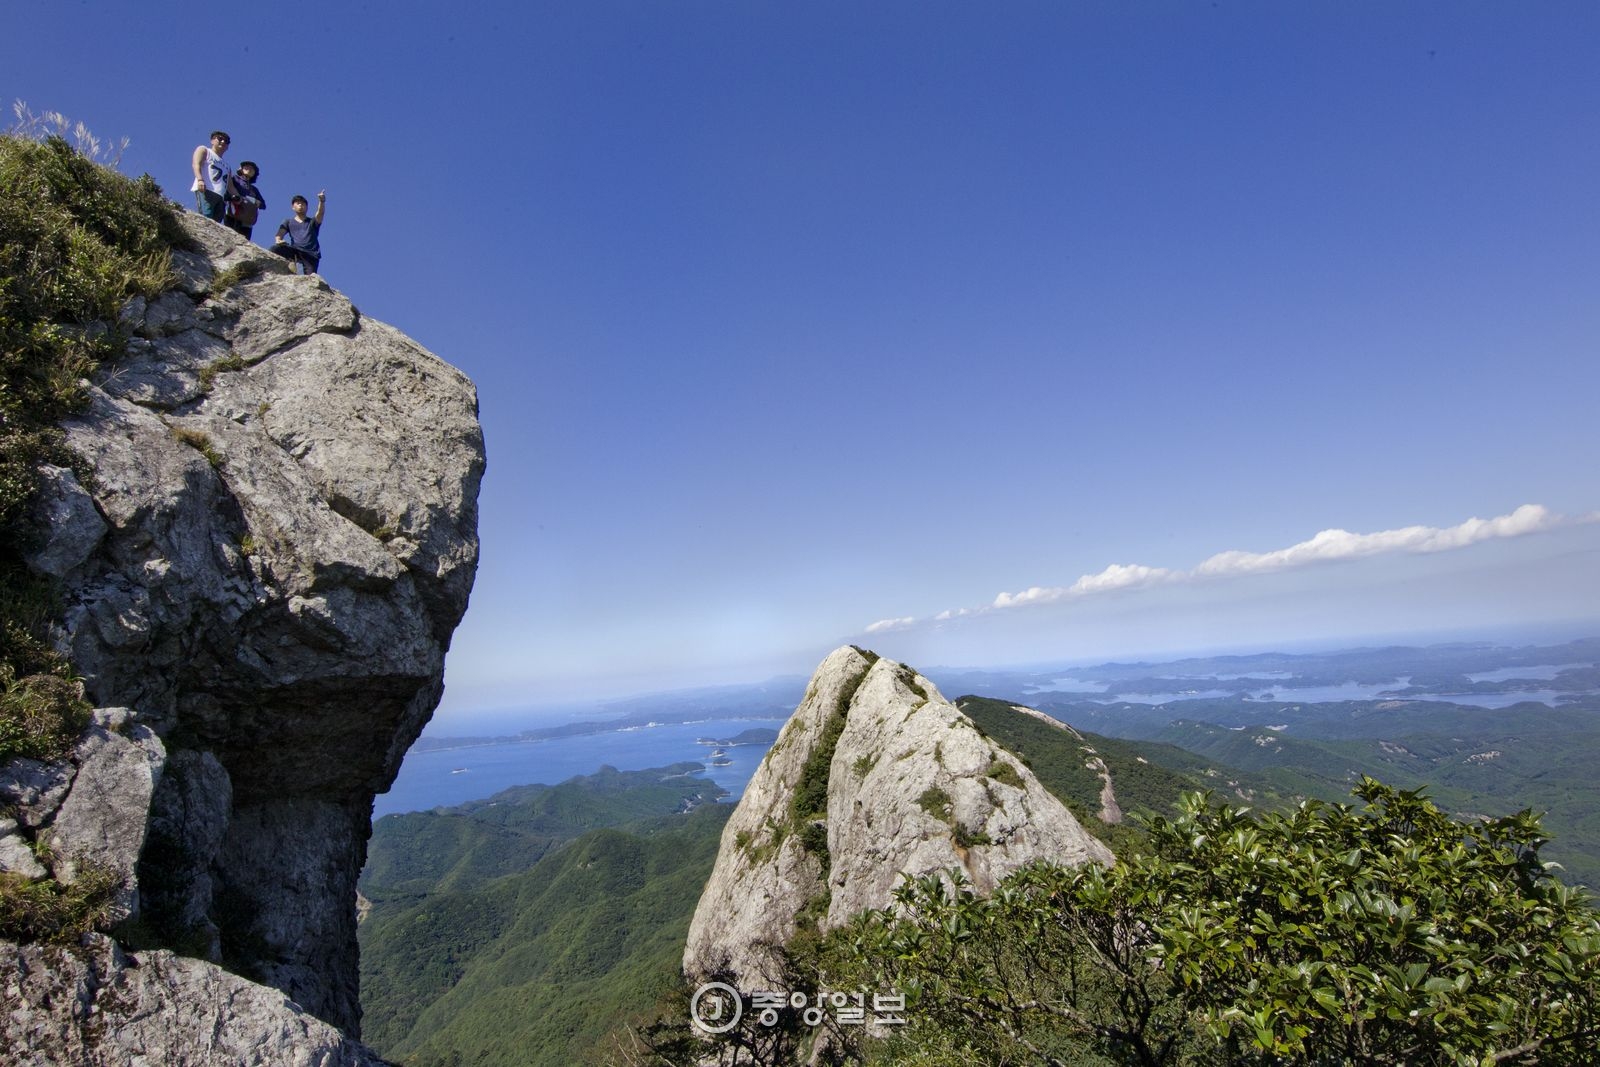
(98, 1007)
(265, 571)
(102, 818)
(875, 776)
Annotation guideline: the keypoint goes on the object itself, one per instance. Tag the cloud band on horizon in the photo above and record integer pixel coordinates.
(1326, 547)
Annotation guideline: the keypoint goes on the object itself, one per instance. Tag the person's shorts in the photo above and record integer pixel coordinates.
(210, 204)
(298, 255)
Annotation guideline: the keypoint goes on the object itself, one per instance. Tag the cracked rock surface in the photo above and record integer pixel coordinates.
(265, 571)
(97, 1006)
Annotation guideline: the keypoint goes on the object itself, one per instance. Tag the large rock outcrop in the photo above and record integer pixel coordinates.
(95, 1006)
(262, 575)
(876, 776)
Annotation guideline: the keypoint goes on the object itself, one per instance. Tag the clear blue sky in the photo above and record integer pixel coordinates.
(793, 318)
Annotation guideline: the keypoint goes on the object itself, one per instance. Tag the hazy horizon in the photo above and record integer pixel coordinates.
(510, 718)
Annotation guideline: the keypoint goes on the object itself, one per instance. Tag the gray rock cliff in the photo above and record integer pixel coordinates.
(262, 577)
(875, 776)
(97, 1006)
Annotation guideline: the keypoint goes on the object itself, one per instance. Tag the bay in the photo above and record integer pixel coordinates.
(446, 777)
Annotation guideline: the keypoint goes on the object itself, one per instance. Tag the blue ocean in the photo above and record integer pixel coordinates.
(446, 777)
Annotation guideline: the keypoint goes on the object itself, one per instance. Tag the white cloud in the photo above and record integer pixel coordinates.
(1330, 545)
(1035, 595)
(1120, 576)
(1116, 576)
(1327, 546)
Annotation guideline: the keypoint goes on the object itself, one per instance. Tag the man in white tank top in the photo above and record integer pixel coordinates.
(213, 181)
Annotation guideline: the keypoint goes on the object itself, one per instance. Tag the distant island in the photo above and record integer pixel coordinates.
(772, 699)
(755, 736)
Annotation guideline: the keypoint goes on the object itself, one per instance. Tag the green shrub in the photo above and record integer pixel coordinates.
(76, 240)
(814, 910)
(813, 837)
(1001, 771)
(810, 798)
(936, 802)
(1385, 934)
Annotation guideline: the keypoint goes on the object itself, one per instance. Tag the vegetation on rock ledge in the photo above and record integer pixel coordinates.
(76, 240)
(47, 910)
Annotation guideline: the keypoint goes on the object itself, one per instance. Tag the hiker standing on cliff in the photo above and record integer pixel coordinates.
(243, 209)
(302, 246)
(213, 181)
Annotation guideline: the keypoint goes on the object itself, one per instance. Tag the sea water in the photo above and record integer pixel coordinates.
(450, 776)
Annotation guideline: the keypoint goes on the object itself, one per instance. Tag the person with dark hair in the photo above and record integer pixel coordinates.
(248, 201)
(212, 178)
(302, 246)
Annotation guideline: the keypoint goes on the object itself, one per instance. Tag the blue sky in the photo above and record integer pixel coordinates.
(794, 318)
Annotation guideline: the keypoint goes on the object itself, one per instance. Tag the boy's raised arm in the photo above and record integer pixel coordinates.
(322, 198)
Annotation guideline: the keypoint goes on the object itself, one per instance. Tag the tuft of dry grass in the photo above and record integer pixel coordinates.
(47, 124)
(200, 441)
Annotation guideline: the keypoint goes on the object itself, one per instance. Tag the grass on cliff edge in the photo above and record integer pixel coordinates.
(47, 910)
(76, 240)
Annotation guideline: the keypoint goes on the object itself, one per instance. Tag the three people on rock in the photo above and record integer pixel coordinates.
(231, 198)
